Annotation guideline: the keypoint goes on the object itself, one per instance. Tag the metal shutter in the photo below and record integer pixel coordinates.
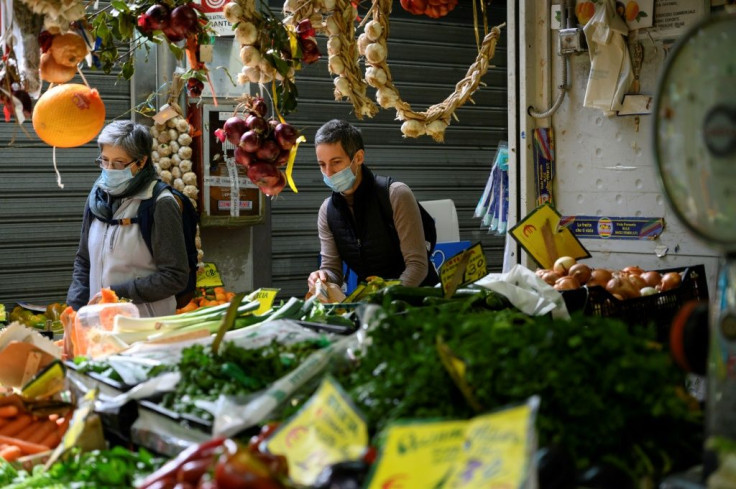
(40, 222)
(427, 58)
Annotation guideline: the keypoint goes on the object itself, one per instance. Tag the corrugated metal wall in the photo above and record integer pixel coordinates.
(427, 58)
(40, 222)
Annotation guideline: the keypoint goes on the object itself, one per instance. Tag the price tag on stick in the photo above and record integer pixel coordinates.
(465, 267)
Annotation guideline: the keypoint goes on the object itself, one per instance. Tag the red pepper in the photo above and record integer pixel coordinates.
(193, 452)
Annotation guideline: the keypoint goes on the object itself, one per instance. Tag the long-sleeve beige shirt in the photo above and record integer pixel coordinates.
(408, 223)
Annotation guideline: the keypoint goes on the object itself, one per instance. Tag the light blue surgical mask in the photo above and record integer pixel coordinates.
(115, 182)
(341, 181)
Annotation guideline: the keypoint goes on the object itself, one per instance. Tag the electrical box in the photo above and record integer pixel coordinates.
(571, 41)
(229, 198)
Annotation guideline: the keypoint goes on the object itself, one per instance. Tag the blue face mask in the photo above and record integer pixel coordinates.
(341, 181)
(115, 181)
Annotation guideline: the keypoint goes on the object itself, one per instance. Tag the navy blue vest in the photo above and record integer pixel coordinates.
(364, 241)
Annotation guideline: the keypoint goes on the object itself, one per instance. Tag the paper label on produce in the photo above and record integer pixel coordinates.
(540, 234)
(495, 450)
(265, 297)
(327, 430)
(433, 446)
(208, 276)
(467, 266)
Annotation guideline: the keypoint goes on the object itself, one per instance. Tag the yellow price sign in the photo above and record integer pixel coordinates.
(467, 266)
(208, 276)
(541, 235)
(327, 430)
(266, 297)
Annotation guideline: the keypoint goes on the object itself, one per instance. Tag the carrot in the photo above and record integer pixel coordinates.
(43, 428)
(17, 425)
(10, 453)
(108, 296)
(4, 421)
(8, 411)
(26, 447)
(26, 432)
(51, 440)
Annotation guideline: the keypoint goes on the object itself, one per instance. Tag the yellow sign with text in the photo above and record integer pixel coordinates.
(488, 451)
(326, 431)
(467, 266)
(541, 236)
(208, 276)
(433, 446)
(495, 450)
(265, 297)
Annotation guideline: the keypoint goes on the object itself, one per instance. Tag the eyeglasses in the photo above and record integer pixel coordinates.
(114, 165)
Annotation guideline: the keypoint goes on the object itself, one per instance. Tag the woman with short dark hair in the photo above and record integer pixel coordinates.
(112, 252)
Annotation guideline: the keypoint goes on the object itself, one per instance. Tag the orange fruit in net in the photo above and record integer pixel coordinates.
(68, 115)
(632, 11)
(68, 49)
(584, 11)
(53, 72)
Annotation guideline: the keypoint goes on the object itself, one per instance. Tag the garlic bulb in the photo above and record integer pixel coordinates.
(233, 12)
(332, 26)
(166, 176)
(163, 137)
(186, 166)
(182, 126)
(174, 146)
(375, 53)
(363, 42)
(175, 159)
(171, 123)
(290, 6)
(173, 133)
(185, 152)
(386, 97)
(242, 79)
(436, 129)
(250, 55)
(316, 20)
(184, 139)
(333, 45)
(154, 132)
(175, 172)
(265, 77)
(336, 65)
(189, 178)
(246, 33)
(190, 191)
(328, 5)
(373, 30)
(412, 129)
(154, 155)
(164, 163)
(376, 76)
(342, 85)
(252, 74)
(163, 149)
(178, 184)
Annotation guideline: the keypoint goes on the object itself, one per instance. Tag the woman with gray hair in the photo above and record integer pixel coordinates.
(112, 252)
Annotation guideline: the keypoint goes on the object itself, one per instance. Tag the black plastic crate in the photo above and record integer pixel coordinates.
(658, 309)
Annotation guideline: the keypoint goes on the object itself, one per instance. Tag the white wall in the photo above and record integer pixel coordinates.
(605, 165)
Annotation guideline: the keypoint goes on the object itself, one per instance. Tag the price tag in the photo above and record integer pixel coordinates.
(495, 449)
(488, 451)
(465, 267)
(433, 446)
(328, 429)
(265, 297)
(84, 408)
(208, 276)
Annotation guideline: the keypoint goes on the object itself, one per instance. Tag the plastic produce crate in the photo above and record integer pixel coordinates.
(658, 309)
